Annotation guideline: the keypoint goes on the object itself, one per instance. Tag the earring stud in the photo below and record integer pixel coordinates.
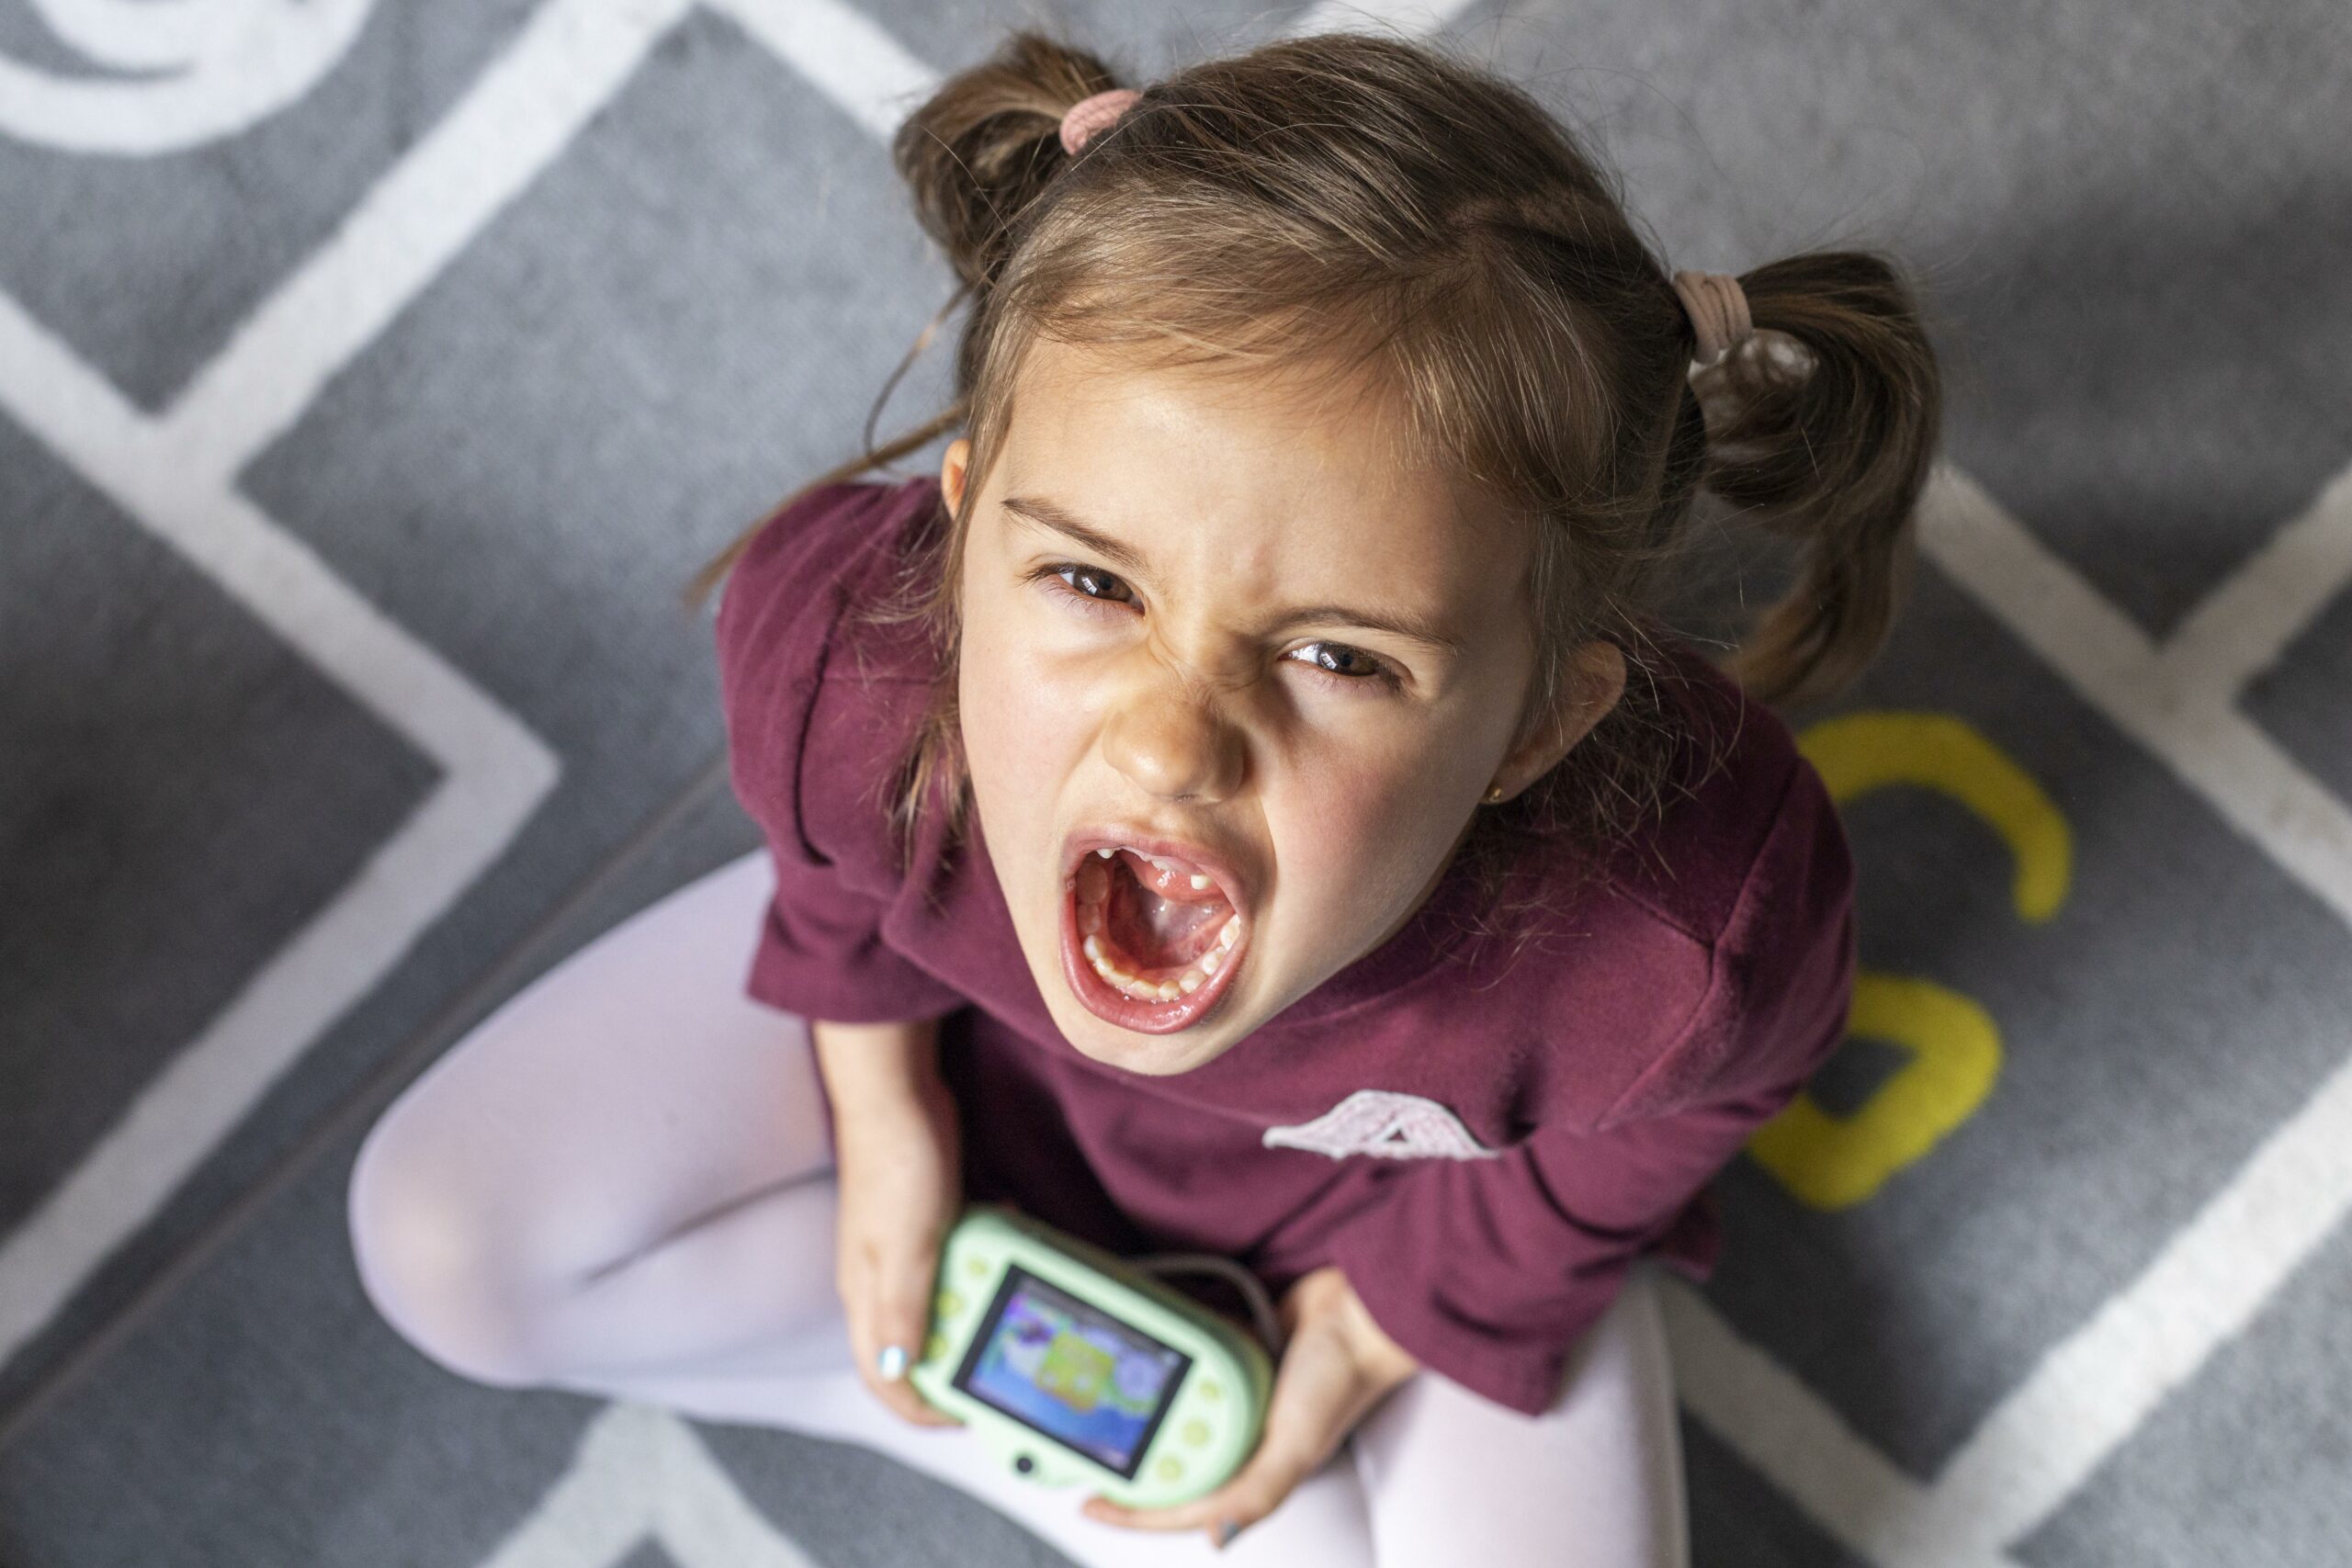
(1495, 792)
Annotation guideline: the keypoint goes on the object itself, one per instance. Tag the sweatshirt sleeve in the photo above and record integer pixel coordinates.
(1490, 1271)
(820, 952)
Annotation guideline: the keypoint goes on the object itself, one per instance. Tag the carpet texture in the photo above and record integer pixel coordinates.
(371, 380)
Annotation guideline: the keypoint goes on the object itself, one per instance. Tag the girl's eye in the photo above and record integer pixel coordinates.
(1072, 575)
(1334, 662)
(1351, 666)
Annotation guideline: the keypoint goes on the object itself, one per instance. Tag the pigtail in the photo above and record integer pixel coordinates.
(1822, 428)
(981, 148)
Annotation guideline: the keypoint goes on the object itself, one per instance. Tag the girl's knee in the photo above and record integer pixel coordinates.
(434, 1259)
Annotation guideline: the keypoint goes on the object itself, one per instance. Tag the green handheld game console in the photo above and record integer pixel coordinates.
(1074, 1365)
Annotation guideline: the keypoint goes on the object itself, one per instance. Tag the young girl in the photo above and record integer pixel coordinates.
(1247, 804)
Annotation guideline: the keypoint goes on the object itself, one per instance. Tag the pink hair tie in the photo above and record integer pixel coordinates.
(1087, 115)
(1718, 311)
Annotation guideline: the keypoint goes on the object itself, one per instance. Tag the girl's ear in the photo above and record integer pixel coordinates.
(1596, 679)
(950, 473)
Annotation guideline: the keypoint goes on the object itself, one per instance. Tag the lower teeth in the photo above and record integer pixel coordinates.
(1195, 977)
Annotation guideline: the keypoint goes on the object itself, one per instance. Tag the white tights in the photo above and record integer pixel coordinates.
(621, 1183)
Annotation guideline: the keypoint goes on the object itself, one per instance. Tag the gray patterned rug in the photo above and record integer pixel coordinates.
(363, 398)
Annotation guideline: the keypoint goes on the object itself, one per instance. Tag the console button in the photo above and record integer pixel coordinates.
(1024, 1464)
(1170, 1469)
(1211, 1390)
(1195, 1432)
(978, 1268)
(949, 1303)
(934, 1348)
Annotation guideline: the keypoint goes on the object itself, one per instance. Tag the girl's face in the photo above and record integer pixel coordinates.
(1220, 624)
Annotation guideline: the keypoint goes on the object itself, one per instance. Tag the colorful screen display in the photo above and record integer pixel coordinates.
(1071, 1372)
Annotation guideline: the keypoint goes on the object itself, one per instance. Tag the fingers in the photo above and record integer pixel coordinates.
(901, 1306)
(1319, 1392)
(889, 1308)
(883, 1368)
(885, 1375)
(1242, 1502)
(902, 1323)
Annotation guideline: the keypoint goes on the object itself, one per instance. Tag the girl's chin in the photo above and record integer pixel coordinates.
(1155, 1056)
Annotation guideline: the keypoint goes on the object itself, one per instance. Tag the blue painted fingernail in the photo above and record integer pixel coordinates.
(1225, 1530)
(891, 1362)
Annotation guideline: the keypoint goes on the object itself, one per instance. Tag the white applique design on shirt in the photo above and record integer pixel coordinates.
(1385, 1124)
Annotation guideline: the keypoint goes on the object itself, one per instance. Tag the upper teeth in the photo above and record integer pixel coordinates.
(1197, 880)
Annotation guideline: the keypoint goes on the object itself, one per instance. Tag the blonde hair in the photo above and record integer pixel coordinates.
(1412, 218)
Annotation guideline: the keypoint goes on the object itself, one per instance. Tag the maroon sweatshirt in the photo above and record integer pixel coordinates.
(1481, 1141)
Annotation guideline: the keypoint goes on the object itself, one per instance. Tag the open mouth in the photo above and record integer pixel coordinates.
(1150, 942)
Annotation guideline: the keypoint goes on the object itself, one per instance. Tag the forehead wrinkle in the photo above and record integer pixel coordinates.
(1411, 627)
(1039, 513)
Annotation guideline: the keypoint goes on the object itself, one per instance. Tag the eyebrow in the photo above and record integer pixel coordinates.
(1044, 513)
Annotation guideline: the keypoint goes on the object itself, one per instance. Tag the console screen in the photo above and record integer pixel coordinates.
(1071, 1372)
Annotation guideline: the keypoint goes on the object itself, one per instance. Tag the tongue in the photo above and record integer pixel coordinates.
(1162, 932)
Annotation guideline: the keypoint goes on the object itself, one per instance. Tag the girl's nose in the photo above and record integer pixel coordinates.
(1172, 746)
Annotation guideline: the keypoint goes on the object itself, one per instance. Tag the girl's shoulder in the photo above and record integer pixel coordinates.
(828, 546)
(1747, 870)
(1733, 774)
(818, 701)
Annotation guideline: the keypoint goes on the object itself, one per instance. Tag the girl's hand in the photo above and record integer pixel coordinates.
(1337, 1366)
(900, 1178)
